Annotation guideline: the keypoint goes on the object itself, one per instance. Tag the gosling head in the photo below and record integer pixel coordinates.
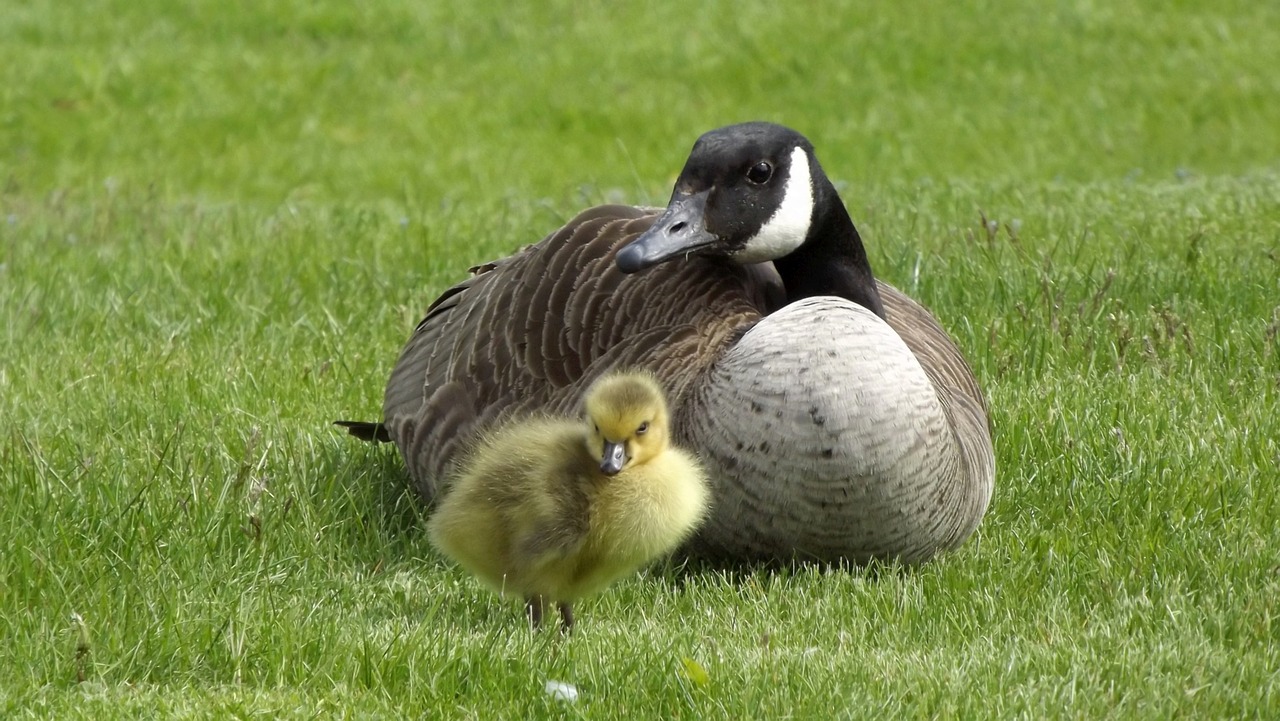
(627, 414)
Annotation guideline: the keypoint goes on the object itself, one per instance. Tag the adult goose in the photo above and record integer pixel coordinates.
(836, 419)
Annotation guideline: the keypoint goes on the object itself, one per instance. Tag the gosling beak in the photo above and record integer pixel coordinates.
(681, 229)
(615, 457)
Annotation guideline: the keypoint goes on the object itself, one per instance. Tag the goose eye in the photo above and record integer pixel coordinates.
(760, 173)
(642, 429)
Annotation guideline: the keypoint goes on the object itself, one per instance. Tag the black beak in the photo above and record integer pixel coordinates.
(681, 229)
(615, 457)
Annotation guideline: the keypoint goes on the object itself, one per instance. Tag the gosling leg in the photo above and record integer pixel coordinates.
(533, 609)
(566, 617)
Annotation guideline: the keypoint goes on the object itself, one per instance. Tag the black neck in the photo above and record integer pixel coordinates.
(832, 260)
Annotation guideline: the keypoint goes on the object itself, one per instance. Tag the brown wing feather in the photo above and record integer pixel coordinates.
(933, 347)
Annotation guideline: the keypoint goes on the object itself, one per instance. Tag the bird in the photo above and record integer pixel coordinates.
(836, 418)
(555, 509)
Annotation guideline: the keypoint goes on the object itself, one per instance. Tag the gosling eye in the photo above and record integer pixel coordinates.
(760, 173)
(644, 427)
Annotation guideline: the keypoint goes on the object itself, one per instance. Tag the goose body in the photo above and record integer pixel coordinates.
(835, 417)
(555, 509)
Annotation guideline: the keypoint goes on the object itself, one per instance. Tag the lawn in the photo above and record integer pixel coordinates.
(219, 222)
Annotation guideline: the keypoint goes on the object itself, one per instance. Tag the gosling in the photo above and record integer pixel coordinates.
(558, 509)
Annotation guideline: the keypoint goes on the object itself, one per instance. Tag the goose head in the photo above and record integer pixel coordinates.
(628, 421)
(755, 192)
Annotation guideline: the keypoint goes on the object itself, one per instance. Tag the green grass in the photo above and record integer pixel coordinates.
(219, 223)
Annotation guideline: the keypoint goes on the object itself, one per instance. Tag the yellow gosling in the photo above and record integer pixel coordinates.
(558, 509)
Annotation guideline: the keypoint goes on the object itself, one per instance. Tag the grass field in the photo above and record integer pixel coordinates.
(220, 221)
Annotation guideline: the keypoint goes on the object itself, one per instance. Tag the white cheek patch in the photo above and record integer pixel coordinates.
(789, 226)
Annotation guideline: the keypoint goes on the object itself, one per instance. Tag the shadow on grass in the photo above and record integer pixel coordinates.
(375, 485)
(739, 572)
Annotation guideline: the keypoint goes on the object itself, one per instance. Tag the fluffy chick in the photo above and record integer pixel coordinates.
(558, 509)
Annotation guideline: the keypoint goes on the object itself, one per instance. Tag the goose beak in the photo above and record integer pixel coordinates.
(681, 229)
(615, 457)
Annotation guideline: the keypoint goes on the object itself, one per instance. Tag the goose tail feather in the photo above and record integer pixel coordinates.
(366, 431)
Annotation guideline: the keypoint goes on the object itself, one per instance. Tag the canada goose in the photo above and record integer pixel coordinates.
(835, 417)
(557, 509)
